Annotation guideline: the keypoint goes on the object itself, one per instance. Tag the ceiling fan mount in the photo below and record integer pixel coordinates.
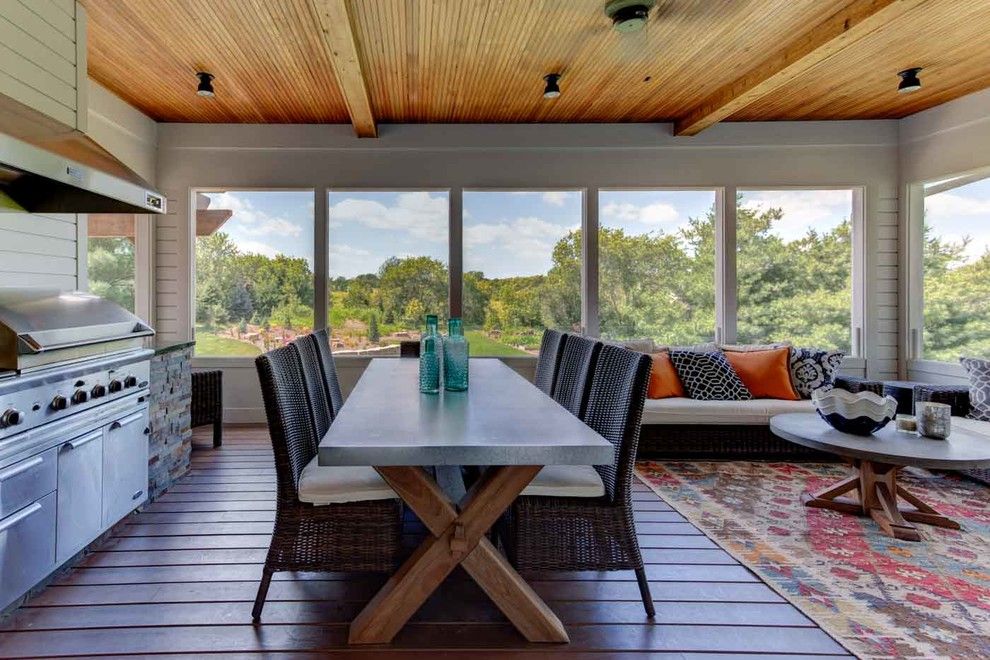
(629, 15)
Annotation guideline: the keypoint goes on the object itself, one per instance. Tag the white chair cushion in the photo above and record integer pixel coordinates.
(566, 481)
(332, 484)
(681, 410)
(971, 425)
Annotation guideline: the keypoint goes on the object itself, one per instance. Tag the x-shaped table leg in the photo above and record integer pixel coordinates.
(458, 537)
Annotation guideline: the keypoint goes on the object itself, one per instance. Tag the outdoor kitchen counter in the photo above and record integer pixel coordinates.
(170, 441)
(168, 346)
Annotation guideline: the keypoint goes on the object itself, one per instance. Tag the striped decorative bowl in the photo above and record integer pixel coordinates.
(862, 413)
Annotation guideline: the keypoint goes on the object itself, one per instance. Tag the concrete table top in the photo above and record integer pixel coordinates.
(502, 419)
(962, 449)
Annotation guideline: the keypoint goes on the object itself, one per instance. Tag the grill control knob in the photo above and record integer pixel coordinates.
(130, 381)
(115, 386)
(60, 402)
(11, 417)
(80, 396)
(98, 391)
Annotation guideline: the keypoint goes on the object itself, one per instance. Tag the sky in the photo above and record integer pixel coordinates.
(269, 222)
(821, 210)
(960, 212)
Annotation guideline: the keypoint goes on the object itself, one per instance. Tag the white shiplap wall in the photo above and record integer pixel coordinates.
(39, 250)
(882, 336)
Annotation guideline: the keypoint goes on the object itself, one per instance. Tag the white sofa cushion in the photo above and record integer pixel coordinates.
(681, 410)
(332, 484)
(971, 425)
(566, 481)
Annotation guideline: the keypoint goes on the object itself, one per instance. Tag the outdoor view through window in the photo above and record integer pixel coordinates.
(657, 265)
(522, 267)
(794, 267)
(110, 259)
(388, 267)
(957, 272)
(254, 270)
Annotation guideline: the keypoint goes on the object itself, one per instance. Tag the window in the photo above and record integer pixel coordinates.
(110, 257)
(522, 268)
(254, 270)
(956, 268)
(794, 267)
(388, 267)
(656, 274)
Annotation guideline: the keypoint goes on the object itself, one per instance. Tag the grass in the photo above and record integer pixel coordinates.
(210, 345)
(482, 345)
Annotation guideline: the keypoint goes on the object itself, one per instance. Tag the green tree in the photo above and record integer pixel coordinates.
(402, 281)
(111, 269)
(373, 335)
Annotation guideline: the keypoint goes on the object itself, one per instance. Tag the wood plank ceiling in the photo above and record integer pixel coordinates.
(440, 61)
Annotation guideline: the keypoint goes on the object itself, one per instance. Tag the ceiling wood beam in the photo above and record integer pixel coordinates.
(843, 28)
(342, 47)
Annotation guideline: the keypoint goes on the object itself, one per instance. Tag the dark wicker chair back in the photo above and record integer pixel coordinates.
(615, 409)
(547, 364)
(577, 363)
(319, 406)
(409, 348)
(322, 339)
(287, 410)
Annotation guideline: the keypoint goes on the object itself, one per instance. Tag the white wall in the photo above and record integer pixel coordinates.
(949, 140)
(524, 156)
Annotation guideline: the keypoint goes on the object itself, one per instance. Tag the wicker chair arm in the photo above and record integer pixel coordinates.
(856, 385)
(956, 396)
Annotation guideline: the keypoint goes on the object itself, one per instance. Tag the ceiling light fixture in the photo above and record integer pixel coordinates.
(909, 80)
(205, 87)
(629, 15)
(552, 89)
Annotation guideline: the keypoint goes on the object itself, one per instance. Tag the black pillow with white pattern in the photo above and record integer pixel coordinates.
(708, 376)
(979, 387)
(814, 369)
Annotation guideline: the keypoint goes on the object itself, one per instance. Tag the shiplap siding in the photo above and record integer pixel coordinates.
(43, 57)
(39, 250)
(883, 337)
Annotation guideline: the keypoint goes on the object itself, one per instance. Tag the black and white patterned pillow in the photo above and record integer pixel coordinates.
(979, 387)
(813, 369)
(709, 376)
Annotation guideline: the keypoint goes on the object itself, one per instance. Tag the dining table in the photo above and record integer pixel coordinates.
(502, 424)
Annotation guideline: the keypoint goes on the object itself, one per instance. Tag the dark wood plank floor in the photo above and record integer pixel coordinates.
(181, 575)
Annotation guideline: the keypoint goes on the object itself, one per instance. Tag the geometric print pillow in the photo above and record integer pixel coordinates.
(813, 369)
(979, 387)
(709, 376)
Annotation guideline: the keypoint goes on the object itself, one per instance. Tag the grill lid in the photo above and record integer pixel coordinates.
(42, 326)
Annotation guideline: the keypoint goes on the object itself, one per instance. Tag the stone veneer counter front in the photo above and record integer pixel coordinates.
(170, 442)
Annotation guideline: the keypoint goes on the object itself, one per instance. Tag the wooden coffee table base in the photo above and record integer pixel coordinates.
(878, 493)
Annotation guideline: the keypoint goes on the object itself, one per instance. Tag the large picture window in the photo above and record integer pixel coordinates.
(522, 268)
(388, 267)
(794, 267)
(956, 263)
(111, 257)
(656, 272)
(254, 270)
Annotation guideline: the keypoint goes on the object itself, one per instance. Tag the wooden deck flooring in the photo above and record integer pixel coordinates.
(180, 578)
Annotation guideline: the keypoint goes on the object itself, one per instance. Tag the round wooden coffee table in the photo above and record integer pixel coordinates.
(876, 460)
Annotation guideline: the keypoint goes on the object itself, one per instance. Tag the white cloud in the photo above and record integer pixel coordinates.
(419, 213)
(257, 247)
(956, 217)
(253, 221)
(949, 205)
(820, 210)
(512, 247)
(556, 197)
(350, 261)
(657, 214)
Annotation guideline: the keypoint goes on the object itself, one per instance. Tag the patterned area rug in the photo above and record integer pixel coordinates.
(878, 596)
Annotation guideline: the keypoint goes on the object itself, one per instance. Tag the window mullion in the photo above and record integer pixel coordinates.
(726, 301)
(590, 320)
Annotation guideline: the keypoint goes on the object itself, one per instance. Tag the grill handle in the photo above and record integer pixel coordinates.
(37, 347)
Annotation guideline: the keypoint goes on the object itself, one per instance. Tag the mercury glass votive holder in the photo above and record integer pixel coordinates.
(934, 420)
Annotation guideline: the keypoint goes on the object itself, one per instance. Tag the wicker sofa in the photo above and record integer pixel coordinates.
(957, 396)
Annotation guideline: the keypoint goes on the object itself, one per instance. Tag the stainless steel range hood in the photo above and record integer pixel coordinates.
(70, 173)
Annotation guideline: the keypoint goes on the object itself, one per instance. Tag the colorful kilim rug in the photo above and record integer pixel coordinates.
(880, 597)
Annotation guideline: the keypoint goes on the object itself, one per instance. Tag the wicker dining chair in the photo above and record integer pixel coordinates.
(206, 406)
(316, 391)
(552, 533)
(321, 338)
(577, 363)
(349, 536)
(548, 362)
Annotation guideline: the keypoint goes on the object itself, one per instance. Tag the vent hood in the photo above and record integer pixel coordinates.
(70, 173)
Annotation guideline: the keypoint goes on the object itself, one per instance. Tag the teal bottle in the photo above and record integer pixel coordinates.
(455, 357)
(429, 358)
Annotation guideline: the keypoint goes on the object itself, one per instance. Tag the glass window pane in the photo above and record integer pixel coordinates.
(254, 270)
(522, 268)
(388, 267)
(957, 273)
(794, 267)
(110, 257)
(656, 274)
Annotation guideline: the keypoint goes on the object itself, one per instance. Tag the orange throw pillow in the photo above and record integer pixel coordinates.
(767, 374)
(664, 381)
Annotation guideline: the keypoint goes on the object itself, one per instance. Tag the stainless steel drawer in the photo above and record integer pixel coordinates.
(27, 548)
(27, 481)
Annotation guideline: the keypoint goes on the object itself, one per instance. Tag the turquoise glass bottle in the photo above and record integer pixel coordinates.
(429, 357)
(455, 357)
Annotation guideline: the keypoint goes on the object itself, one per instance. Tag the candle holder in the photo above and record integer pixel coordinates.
(934, 420)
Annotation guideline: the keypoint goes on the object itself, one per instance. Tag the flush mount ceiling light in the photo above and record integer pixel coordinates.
(909, 80)
(552, 89)
(205, 87)
(629, 15)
